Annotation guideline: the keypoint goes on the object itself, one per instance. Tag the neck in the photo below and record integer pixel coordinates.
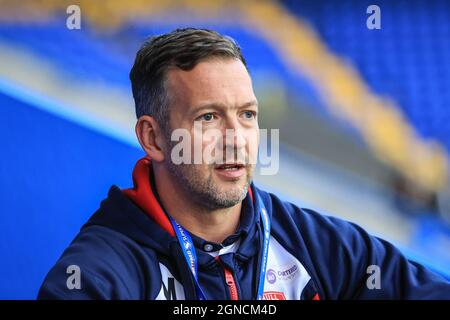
(210, 225)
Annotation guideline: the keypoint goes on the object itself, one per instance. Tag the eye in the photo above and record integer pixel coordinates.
(249, 114)
(206, 117)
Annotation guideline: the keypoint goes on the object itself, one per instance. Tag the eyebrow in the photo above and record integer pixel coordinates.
(216, 105)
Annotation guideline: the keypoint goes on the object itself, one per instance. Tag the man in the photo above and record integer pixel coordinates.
(201, 229)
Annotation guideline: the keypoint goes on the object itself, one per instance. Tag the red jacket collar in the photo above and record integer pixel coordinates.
(142, 195)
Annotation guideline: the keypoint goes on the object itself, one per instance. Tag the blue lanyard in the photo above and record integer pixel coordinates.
(266, 237)
(187, 246)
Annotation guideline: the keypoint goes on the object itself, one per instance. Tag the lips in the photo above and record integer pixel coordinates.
(229, 166)
(230, 171)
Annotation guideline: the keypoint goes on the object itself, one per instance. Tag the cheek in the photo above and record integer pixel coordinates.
(252, 142)
(212, 145)
(211, 139)
(197, 172)
(254, 137)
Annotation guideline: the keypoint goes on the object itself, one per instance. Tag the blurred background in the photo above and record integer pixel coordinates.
(364, 114)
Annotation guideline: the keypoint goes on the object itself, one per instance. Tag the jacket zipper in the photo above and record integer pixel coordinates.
(229, 279)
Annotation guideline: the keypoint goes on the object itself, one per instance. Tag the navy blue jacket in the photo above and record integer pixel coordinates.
(127, 250)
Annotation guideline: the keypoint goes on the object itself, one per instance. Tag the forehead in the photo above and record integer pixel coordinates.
(224, 81)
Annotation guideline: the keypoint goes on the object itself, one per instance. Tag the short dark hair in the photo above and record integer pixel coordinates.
(181, 48)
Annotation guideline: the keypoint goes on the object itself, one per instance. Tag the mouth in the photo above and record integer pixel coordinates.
(230, 171)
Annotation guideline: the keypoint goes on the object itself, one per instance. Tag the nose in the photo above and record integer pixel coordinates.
(234, 135)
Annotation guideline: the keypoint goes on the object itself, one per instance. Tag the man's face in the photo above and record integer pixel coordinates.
(216, 104)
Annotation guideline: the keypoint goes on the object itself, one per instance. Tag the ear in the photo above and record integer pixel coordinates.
(150, 137)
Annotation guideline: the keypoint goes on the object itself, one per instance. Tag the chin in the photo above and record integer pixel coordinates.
(233, 187)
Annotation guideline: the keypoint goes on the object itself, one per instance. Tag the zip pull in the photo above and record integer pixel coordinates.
(231, 284)
(229, 279)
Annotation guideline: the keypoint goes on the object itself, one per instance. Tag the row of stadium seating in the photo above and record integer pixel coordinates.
(407, 60)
